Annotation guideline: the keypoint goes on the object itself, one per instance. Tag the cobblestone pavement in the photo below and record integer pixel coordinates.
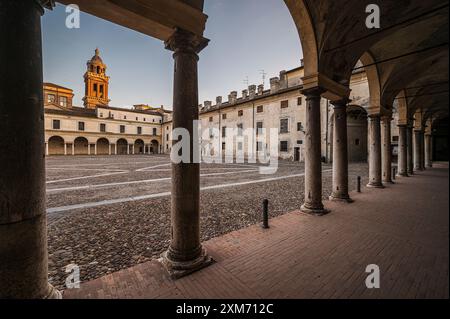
(102, 238)
(403, 229)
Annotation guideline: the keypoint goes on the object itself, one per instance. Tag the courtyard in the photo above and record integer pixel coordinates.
(107, 213)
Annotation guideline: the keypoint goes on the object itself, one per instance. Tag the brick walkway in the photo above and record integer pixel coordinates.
(403, 229)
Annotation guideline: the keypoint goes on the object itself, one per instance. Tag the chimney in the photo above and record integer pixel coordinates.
(274, 85)
(260, 89)
(252, 91)
(244, 94)
(207, 104)
(219, 100)
(283, 80)
(232, 97)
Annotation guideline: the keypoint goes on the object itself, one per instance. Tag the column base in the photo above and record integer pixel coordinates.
(341, 198)
(403, 175)
(53, 293)
(314, 211)
(178, 269)
(375, 185)
(389, 182)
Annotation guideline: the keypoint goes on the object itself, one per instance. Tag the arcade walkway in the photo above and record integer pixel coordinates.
(403, 229)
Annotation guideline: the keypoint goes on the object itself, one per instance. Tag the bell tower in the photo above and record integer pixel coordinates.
(96, 83)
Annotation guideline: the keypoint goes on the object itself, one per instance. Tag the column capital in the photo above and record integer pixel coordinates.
(374, 116)
(45, 4)
(312, 92)
(185, 41)
(386, 118)
(342, 103)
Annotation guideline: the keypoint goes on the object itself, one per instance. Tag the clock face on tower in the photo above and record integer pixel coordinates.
(96, 83)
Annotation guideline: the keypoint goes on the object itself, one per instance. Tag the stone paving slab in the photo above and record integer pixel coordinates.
(403, 229)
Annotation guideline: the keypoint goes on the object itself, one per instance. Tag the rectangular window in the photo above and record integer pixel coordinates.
(240, 146)
(299, 126)
(211, 133)
(63, 101)
(259, 146)
(224, 116)
(240, 112)
(124, 117)
(139, 130)
(81, 126)
(259, 109)
(51, 98)
(240, 129)
(167, 137)
(102, 127)
(56, 124)
(284, 126)
(299, 142)
(122, 129)
(224, 131)
(299, 101)
(223, 146)
(283, 146)
(259, 127)
(395, 138)
(284, 104)
(211, 118)
(154, 131)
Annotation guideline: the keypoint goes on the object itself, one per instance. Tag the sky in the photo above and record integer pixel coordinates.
(246, 36)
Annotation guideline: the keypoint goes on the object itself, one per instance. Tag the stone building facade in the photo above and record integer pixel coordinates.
(282, 106)
(100, 129)
(97, 128)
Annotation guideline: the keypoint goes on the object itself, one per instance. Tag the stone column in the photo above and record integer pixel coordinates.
(95, 149)
(46, 149)
(410, 150)
(374, 152)
(387, 151)
(73, 148)
(417, 150)
(115, 149)
(313, 164)
(23, 228)
(428, 156)
(89, 149)
(185, 253)
(402, 151)
(65, 148)
(132, 149)
(109, 149)
(340, 153)
(422, 150)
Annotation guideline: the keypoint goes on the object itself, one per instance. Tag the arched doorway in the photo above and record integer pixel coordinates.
(154, 147)
(102, 146)
(139, 147)
(122, 147)
(357, 133)
(81, 145)
(56, 145)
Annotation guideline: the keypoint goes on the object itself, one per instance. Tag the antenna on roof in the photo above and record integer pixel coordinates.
(246, 81)
(263, 74)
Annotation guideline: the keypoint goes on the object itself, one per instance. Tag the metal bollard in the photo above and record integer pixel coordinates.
(265, 214)
(358, 185)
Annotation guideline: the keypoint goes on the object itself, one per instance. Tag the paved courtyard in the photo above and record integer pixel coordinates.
(109, 213)
(403, 229)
